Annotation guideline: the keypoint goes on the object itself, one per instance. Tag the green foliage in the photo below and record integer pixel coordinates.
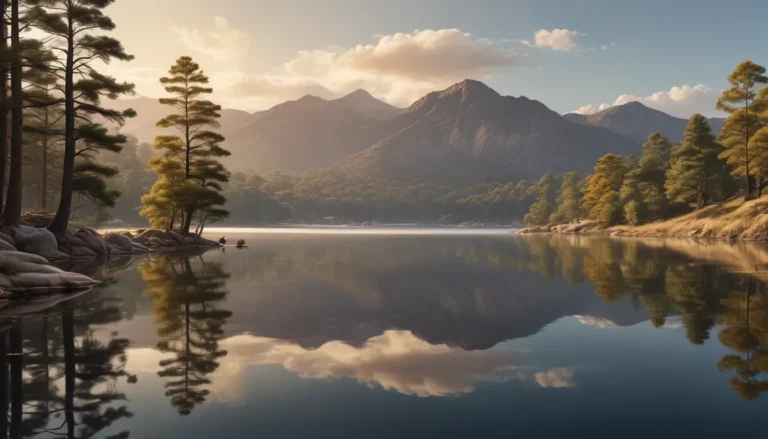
(568, 200)
(696, 175)
(544, 205)
(72, 28)
(601, 193)
(190, 177)
(658, 147)
(744, 104)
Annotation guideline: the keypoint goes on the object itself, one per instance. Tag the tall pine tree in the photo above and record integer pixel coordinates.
(740, 101)
(73, 26)
(695, 175)
(193, 152)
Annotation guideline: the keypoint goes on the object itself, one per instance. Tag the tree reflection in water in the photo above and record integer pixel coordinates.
(61, 374)
(185, 292)
(71, 378)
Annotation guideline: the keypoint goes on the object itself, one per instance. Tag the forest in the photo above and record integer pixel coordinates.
(671, 179)
(62, 145)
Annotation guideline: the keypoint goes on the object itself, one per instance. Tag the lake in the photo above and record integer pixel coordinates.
(402, 334)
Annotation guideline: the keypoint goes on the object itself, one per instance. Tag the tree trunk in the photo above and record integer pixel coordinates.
(68, 334)
(187, 222)
(3, 386)
(44, 165)
(61, 220)
(16, 380)
(3, 109)
(12, 212)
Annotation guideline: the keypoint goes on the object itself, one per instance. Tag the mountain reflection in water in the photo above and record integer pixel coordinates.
(431, 317)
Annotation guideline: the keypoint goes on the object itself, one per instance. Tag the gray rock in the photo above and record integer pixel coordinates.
(92, 241)
(24, 257)
(138, 248)
(36, 241)
(6, 246)
(6, 238)
(119, 241)
(77, 250)
(64, 280)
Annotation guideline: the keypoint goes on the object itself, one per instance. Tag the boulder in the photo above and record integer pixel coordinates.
(138, 248)
(116, 240)
(87, 238)
(77, 250)
(8, 239)
(63, 280)
(6, 246)
(24, 257)
(36, 241)
(23, 271)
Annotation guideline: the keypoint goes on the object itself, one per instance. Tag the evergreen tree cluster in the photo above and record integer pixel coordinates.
(59, 147)
(669, 179)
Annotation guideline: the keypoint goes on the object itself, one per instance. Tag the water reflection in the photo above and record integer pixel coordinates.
(61, 376)
(185, 293)
(430, 317)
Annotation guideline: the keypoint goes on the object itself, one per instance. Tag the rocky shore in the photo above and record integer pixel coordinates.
(26, 253)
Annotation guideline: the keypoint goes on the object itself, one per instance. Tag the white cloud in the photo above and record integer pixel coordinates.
(682, 101)
(399, 68)
(555, 378)
(224, 43)
(597, 322)
(561, 40)
(395, 360)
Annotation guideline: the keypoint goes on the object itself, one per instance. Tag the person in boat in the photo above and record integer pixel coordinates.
(223, 240)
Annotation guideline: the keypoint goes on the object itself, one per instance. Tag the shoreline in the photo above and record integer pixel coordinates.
(732, 220)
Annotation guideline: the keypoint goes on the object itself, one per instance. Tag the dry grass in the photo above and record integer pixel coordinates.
(734, 219)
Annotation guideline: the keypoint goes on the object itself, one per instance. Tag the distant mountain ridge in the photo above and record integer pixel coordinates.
(636, 121)
(469, 132)
(464, 134)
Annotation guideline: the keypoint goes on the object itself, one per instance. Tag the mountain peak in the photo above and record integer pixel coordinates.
(363, 102)
(360, 93)
(469, 87)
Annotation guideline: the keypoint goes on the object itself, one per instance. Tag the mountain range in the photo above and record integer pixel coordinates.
(635, 121)
(464, 134)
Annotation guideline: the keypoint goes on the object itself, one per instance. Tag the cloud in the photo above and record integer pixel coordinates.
(224, 43)
(555, 378)
(278, 87)
(597, 322)
(561, 40)
(395, 360)
(398, 68)
(682, 101)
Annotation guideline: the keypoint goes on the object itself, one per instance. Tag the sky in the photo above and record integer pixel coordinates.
(572, 55)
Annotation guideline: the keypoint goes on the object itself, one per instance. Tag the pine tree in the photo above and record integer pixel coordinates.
(660, 147)
(601, 201)
(71, 25)
(742, 124)
(542, 208)
(695, 175)
(12, 212)
(193, 153)
(568, 200)
(642, 192)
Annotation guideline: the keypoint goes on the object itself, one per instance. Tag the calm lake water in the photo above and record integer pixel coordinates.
(476, 334)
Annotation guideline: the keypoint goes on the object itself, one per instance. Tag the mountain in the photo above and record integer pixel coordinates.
(367, 105)
(307, 134)
(468, 133)
(301, 135)
(635, 121)
(149, 111)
